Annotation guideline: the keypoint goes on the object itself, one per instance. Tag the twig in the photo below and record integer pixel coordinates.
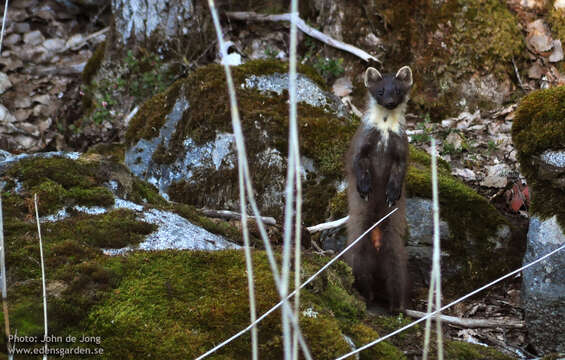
(305, 28)
(328, 225)
(42, 274)
(227, 214)
(517, 74)
(471, 323)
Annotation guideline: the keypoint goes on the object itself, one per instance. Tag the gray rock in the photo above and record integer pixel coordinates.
(551, 167)
(33, 38)
(557, 53)
(12, 39)
(539, 37)
(554, 158)
(75, 42)
(5, 83)
(420, 222)
(22, 102)
(54, 45)
(22, 28)
(5, 116)
(306, 90)
(497, 176)
(543, 286)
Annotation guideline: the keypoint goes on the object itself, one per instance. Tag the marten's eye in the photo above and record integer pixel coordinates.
(380, 92)
(397, 92)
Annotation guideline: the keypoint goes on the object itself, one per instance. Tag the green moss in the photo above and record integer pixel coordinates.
(152, 115)
(466, 351)
(470, 216)
(143, 192)
(61, 182)
(556, 20)
(362, 334)
(113, 151)
(168, 304)
(114, 229)
(539, 126)
(93, 63)
(338, 205)
(78, 276)
(333, 289)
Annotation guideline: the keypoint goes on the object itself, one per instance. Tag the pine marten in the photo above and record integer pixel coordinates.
(376, 165)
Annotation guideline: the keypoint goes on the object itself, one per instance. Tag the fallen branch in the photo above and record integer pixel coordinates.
(328, 225)
(227, 214)
(305, 28)
(471, 323)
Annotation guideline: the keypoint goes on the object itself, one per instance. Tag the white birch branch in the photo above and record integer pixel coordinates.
(471, 323)
(227, 214)
(328, 225)
(305, 28)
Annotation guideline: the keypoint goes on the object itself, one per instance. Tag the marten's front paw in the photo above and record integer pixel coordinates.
(392, 195)
(364, 185)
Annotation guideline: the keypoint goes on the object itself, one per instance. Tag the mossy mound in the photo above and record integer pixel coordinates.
(324, 136)
(539, 126)
(175, 303)
(473, 221)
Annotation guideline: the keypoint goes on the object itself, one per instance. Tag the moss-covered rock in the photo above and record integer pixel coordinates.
(184, 133)
(474, 226)
(538, 127)
(176, 300)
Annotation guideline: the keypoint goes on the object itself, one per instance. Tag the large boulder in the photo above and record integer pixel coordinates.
(539, 135)
(181, 140)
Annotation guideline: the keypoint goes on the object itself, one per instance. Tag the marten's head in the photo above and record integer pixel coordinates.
(389, 90)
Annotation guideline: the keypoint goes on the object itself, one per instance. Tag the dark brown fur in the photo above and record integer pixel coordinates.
(377, 168)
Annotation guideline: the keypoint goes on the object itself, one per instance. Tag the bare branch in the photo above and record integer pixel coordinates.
(328, 225)
(471, 323)
(227, 214)
(305, 28)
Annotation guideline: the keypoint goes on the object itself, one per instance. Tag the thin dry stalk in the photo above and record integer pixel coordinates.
(42, 273)
(293, 178)
(435, 283)
(3, 283)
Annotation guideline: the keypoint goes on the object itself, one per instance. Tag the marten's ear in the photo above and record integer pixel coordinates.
(405, 75)
(372, 76)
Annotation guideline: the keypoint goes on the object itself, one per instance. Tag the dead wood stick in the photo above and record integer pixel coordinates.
(227, 214)
(328, 225)
(305, 28)
(471, 323)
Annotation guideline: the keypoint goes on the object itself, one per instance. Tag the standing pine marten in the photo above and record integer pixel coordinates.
(376, 165)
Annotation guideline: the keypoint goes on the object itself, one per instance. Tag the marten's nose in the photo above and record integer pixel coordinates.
(389, 103)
